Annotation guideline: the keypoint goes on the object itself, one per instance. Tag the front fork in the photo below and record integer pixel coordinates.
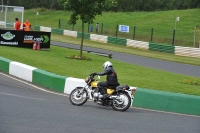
(81, 91)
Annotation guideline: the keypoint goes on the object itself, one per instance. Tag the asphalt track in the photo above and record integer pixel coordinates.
(179, 68)
(27, 109)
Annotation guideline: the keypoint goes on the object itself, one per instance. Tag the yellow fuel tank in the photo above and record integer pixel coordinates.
(110, 91)
(94, 83)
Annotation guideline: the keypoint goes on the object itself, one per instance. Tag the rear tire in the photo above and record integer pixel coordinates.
(123, 103)
(77, 98)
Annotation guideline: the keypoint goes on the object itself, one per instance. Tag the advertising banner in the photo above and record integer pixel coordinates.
(25, 38)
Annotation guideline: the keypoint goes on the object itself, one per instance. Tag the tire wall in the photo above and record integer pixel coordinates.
(166, 101)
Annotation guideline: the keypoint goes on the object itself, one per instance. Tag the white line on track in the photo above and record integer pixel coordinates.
(39, 88)
(8, 94)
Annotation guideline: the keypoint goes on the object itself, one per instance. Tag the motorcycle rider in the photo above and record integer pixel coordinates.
(111, 79)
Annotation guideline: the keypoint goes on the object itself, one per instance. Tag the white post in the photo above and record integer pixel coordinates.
(177, 19)
(194, 36)
(199, 36)
(22, 17)
(37, 13)
(1, 10)
(175, 25)
(6, 8)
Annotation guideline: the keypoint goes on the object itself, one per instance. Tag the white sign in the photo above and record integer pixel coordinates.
(123, 28)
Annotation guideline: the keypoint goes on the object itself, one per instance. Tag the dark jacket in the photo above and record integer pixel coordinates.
(111, 76)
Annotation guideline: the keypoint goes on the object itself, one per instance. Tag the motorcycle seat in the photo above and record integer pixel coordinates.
(111, 87)
(121, 87)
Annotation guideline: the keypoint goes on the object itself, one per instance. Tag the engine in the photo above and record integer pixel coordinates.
(97, 95)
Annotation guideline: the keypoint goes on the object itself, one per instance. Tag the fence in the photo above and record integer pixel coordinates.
(182, 37)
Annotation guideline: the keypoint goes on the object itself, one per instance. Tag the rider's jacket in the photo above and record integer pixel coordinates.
(111, 76)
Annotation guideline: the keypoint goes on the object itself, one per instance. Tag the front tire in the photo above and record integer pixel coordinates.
(77, 97)
(122, 102)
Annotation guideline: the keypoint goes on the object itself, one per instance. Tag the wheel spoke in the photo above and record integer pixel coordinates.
(77, 98)
(122, 103)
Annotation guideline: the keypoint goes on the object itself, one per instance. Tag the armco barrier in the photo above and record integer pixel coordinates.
(49, 80)
(70, 33)
(186, 51)
(86, 35)
(166, 101)
(144, 98)
(4, 64)
(137, 44)
(37, 28)
(43, 28)
(119, 41)
(161, 48)
(98, 38)
(57, 31)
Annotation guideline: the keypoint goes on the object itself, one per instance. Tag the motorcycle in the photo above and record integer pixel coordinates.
(119, 98)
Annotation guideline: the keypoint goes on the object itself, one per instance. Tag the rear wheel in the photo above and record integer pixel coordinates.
(122, 102)
(78, 96)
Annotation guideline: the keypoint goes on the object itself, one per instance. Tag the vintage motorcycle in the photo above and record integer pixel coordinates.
(119, 98)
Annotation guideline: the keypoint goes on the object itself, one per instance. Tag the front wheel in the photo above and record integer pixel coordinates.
(122, 102)
(78, 96)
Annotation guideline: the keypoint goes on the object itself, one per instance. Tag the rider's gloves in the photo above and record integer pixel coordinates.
(93, 74)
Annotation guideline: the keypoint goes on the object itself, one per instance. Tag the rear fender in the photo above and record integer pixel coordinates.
(129, 93)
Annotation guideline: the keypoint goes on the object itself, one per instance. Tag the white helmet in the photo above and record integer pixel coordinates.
(107, 64)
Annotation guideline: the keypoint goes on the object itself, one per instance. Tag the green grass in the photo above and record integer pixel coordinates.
(55, 61)
(162, 21)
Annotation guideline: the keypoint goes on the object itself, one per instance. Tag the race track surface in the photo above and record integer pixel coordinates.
(26, 109)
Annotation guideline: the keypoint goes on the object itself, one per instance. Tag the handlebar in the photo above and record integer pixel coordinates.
(92, 74)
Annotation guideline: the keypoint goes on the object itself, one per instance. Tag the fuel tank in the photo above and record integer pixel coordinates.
(94, 84)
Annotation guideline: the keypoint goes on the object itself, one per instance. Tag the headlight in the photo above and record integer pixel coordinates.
(86, 80)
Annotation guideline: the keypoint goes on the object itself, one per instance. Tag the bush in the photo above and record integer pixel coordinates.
(195, 81)
(78, 57)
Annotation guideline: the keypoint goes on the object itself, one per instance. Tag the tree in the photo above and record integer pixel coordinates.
(85, 10)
